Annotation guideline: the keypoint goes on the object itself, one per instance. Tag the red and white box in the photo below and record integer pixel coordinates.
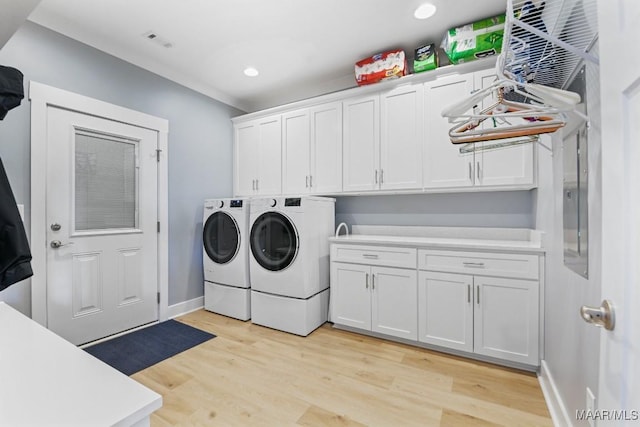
(382, 66)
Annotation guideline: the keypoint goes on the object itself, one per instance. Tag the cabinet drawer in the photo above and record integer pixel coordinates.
(480, 263)
(375, 255)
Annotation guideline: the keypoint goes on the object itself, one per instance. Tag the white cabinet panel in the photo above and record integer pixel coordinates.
(270, 157)
(295, 152)
(394, 306)
(506, 165)
(444, 165)
(445, 310)
(245, 158)
(326, 148)
(506, 319)
(258, 157)
(350, 295)
(375, 255)
(401, 139)
(361, 143)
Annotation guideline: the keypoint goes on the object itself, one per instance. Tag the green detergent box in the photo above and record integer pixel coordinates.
(476, 40)
(425, 58)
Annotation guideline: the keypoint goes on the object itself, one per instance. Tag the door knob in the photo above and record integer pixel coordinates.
(55, 244)
(603, 316)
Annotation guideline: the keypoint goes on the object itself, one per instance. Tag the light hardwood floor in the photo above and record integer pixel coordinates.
(254, 376)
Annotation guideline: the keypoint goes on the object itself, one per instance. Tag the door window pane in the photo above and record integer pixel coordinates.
(105, 182)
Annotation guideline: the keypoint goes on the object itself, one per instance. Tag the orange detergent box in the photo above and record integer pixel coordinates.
(382, 66)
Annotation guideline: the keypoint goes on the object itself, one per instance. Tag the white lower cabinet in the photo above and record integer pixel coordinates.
(375, 298)
(491, 316)
(481, 303)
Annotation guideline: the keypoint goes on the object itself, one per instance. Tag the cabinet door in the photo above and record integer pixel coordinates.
(444, 165)
(270, 156)
(326, 148)
(361, 144)
(506, 319)
(295, 152)
(401, 138)
(246, 139)
(394, 309)
(445, 310)
(512, 165)
(351, 295)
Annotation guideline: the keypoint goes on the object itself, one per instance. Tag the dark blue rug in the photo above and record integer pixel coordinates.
(138, 350)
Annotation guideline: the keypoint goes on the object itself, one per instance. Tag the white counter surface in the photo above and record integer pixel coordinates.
(47, 381)
(501, 239)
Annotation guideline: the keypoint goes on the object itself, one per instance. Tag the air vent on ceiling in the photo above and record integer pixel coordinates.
(154, 37)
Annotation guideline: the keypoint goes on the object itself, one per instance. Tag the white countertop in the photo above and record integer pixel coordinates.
(465, 238)
(47, 381)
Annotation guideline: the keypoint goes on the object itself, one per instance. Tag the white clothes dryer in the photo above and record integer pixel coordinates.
(289, 261)
(225, 257)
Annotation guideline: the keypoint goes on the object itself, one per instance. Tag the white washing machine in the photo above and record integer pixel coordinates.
(225, 257)
(289, 262)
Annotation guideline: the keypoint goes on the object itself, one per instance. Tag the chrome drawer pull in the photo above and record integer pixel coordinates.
(370, 256)
(473, 264)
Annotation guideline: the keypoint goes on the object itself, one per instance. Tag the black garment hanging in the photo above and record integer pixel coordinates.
(11, 89)
(15, 255)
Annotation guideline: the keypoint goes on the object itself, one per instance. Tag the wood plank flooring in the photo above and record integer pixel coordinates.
(255, 376)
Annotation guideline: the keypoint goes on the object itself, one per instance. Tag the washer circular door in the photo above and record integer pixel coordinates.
(274, 241)
(221, 237)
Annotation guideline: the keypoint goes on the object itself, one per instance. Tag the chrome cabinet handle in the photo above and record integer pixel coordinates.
(370, 256)
(55, 244)
(470, 172)
(478, 171)
(257, 185)
(478, 294)
(253, 184)
(468, 293)
(373, 281)
(310, 181)
(381, 176)
(473, 264)
(376, 176)
(366, 281)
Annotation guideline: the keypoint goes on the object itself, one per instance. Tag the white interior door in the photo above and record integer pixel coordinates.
(101, 210)
(619, 26)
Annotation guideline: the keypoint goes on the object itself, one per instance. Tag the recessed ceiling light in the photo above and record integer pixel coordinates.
(424, 11)
(251, 72)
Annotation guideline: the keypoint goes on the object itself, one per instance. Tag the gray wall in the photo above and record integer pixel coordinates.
(200, 139)
(572, 347)
(490, 209)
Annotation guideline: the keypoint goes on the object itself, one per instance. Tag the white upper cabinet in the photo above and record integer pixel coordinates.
(361, 143)
(401, 138)
(383, 140)
(296, 149)
(326, 148)
(245, 158)
(312, 150)
(258, 157)
(444, 165)
(392, 140)
(512, 165)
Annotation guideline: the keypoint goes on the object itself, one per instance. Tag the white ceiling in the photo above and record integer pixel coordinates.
(302, 48)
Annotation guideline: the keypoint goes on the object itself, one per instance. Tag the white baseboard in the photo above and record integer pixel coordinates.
(185, 307)
(557, 409)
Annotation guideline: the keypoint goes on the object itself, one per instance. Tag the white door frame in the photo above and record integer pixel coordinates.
(43, 96)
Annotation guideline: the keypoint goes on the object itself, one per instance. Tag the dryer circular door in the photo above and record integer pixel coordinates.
(221, 237)
(274, 241)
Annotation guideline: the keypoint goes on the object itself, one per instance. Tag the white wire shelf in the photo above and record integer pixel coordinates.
(545, 42)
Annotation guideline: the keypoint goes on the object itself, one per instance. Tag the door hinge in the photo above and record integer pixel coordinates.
(158, 151)
(158, 297)
(158, 226)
